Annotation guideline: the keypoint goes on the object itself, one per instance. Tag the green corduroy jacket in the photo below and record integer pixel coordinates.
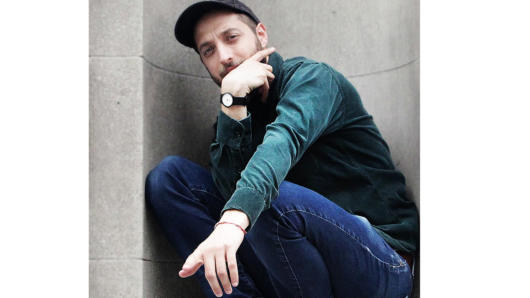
(313, 131)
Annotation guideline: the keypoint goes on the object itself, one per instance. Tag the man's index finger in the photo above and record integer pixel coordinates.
(263, 53)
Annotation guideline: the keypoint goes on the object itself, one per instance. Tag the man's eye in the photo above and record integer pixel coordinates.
(232, 37)
(208, 51)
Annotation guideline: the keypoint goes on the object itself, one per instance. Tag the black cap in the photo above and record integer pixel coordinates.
(185, 26)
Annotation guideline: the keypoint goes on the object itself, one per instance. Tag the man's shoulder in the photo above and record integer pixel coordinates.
(303, 64)
(298, 61)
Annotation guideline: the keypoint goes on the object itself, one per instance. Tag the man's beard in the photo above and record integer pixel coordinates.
(219, 81)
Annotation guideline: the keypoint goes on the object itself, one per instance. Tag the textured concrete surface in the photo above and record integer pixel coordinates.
(115, 27)
(161, 280)
(115, 278)
(179, 115)
(116, 178)
(357, 37)
(160, 46)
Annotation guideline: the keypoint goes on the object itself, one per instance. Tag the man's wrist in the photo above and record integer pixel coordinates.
(236, 216)
(230, 223)
(235, 112)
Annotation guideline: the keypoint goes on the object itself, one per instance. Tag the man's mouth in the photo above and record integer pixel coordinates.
(228, 70)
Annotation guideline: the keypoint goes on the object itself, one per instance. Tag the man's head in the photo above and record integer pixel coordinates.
(223, 33)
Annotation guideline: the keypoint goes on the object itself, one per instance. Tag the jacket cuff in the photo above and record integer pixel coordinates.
(247, 200)
(231, 132)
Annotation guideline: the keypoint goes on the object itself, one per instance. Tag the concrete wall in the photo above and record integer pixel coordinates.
(150, 97)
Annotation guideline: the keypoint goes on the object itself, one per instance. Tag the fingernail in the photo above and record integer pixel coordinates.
(229, 292)
(235, 284)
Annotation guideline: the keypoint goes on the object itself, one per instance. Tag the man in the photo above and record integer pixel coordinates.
(302, 198)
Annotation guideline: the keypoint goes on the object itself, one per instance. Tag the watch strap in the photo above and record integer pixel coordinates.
(242, 101)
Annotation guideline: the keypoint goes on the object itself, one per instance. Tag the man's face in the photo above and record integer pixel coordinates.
(224, 41)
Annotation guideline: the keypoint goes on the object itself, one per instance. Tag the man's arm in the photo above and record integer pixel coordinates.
(309, 107)
(230, 151)
(218, 251)
(232, 147)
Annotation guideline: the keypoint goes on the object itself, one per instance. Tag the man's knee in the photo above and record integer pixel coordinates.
(159, 176)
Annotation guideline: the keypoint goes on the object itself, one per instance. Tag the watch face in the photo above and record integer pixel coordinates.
(227, 100)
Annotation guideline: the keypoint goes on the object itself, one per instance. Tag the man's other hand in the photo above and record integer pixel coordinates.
(218, 252)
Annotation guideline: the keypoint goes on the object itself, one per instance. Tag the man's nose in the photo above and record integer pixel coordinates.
(225, 54)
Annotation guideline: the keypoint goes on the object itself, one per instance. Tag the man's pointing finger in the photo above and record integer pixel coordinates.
(263, 53)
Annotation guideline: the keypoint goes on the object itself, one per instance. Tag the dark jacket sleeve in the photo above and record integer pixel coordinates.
(309, 107)
(230, 151)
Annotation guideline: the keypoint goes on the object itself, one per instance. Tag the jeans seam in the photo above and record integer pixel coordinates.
(352, 237)
(287, 259)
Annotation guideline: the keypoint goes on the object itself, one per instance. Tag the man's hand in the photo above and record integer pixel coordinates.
(218, 251)
(249, 75)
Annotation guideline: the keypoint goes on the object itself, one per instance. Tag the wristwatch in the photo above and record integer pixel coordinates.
(229, 100)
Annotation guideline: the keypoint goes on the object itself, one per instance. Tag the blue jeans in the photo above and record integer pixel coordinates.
(303, 246)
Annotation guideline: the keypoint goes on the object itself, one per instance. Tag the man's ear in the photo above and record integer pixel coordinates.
(261, 33)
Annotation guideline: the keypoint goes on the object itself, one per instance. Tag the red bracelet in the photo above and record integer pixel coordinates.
(226, 222)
